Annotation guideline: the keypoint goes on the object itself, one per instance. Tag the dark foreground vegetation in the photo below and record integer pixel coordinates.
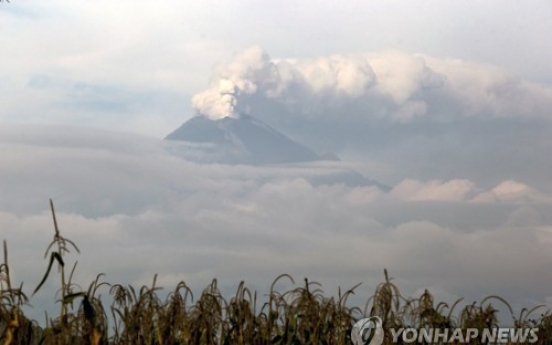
(301, 315)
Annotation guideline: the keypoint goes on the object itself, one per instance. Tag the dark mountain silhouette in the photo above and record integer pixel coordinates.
(243, 140)
(247, 140)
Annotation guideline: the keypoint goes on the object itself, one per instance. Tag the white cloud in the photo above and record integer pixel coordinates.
(477, 89)
(512, 191)
(454, 190)
(467, 191)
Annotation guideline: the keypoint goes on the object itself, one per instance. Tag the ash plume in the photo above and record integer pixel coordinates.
(391, 85)
(292, 83)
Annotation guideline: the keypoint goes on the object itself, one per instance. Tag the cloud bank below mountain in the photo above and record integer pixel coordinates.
(135, 210)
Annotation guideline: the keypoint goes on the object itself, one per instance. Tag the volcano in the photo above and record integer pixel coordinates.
(243, 140)
(249, 141)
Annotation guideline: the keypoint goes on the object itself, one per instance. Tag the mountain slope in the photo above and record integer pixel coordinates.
(242, 140)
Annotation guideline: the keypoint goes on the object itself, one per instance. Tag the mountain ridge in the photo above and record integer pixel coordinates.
(249, 141)
(244, 140)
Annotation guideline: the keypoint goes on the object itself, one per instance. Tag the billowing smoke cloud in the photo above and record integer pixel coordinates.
(295, 84)
(392, 84)
(241, 77)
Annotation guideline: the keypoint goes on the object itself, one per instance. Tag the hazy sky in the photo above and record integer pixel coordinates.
(134, 65)
(447, 102)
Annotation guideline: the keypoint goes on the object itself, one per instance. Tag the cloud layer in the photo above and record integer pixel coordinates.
(135, 210)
